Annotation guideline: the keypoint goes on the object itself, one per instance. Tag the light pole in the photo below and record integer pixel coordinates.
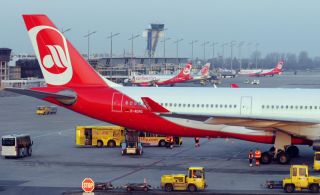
(110, 37)
(64, 31)
(177, 42)
(232, 43)
(248, 45)
(192, 43)
(164, 46)
(240, 60)
(88, 36)
(204, 49)
(213, 45)
(131, 39)
(222, 47)
(257, 45)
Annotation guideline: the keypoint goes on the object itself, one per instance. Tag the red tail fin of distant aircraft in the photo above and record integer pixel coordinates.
(59, 61)
(279, 66)
(205, 70)
(233, 85)
(185, 72)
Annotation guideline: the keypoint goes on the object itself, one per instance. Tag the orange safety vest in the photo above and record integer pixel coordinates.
(257, 154)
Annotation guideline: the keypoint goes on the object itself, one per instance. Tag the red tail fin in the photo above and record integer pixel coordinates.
(279, 65)
(205, 70)
(185, 72)
(233, 85)
(59, 61)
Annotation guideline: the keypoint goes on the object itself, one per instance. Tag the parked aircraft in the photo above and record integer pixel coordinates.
(257, 115)
(263, 72)
(158, 80)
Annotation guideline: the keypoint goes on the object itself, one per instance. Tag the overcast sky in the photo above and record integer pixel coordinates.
(278, 25)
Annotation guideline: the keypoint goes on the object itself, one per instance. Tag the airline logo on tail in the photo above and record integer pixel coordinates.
(205, 70)
(280, 65)
(53, 55)
(187, 69)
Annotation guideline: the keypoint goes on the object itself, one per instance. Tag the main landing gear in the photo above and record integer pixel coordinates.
(283, 150)
(282, 157)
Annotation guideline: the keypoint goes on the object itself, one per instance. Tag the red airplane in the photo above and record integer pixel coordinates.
(245, 114)
(270, 72)
(158, 80)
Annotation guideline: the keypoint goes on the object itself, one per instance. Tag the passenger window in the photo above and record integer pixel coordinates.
(193, 105)
(297, 107)
(202, 105)
(216, 105)
(165, 104)
(174, 104)
(226, 106)
(184, 105)
(179, 105)
(287, 106)
(267, 106)
(301, 107)
(198, 105)
(188, 105)
(234, 106)
(310, 107)
(281, 106)
(131, 103)
(305, 107)
(291, 107)
(230, 106)
(207, 105)
(262, 106)
(315, 107)
(211, 105)
(170, 104)
(277, 107)
(221, 105)
(272, 107)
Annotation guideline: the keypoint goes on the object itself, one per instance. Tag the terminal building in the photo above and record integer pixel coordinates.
(5, 54)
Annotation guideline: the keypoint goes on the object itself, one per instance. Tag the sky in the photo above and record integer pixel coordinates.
(277, 25)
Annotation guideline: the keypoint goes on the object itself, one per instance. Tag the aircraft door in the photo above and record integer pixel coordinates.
(88, 136)
(117, 102)
(246, 103)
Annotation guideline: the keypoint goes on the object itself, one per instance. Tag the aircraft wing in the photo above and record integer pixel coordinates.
(66, 97)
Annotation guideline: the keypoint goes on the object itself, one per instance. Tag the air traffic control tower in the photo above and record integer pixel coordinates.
(153, 33)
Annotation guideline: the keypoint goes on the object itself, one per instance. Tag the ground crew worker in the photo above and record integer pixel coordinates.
(169, 140)
(250, 157)
(257, 155)
(197, 141)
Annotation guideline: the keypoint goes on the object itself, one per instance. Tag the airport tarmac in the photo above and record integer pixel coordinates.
(58, 166)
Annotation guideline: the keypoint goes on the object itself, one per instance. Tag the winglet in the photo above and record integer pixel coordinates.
(154, 106)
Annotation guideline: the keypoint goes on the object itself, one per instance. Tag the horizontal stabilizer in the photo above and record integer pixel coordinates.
(154, 106)
(65, 97)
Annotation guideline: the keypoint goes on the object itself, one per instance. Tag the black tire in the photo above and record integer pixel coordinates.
(146, 189)
(162, 143)
(314, 188)
(111, 144)
(292, 151)
(283, 158)
(266, 158)
(104, 187)
(168, 187)
(289, 188)
(192, 188)
(272, 149)
(99, 143)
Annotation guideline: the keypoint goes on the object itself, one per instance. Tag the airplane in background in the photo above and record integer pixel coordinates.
(263, 72)
(203, 76)
(257, 115)
(158, 80)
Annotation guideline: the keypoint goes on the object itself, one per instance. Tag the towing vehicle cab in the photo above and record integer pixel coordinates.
(300, 179)
(316, 162)
(194, 181)
(16, 146)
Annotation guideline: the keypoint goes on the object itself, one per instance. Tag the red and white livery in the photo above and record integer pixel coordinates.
(247, 114)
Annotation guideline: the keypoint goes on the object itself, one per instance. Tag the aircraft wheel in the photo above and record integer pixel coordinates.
(283, 158)
(266, 158)
(292, 151)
